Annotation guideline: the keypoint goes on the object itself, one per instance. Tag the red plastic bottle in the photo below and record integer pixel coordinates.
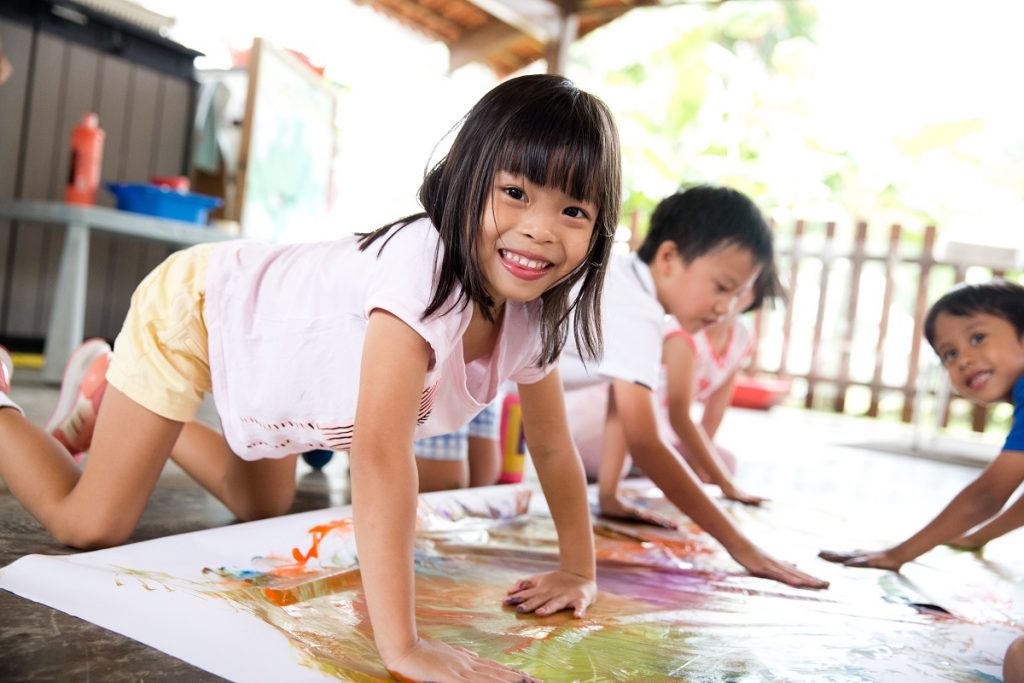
(86, 161)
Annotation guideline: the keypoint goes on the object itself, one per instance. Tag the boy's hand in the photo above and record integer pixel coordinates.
(550, 592)
(863, 558)
(616, 508)
(764, 566)
(433, 660)
(732, 492)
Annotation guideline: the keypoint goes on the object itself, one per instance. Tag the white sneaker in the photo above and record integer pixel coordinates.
(6, 371)
(81, 390)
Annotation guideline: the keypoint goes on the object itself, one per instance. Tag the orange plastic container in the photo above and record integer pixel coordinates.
(513, 441)
(86, 161)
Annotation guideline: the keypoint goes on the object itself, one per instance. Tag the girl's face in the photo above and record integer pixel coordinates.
(706, 290)
(982, 353)
(532, 237)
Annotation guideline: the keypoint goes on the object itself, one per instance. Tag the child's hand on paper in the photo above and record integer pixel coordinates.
(762, 565)
(616, 508)
(433, 660)
(733, 492)
(550, 592)
(863, 558)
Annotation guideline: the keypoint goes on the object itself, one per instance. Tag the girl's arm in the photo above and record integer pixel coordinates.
(560, 471)
(1006, 521)
(714, 407)
(977, 502)
(680, 369)
(635, 407)
(384, 485)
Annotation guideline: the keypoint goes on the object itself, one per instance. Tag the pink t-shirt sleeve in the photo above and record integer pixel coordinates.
(402, 283)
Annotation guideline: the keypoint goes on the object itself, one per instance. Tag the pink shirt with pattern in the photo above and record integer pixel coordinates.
(286, 330)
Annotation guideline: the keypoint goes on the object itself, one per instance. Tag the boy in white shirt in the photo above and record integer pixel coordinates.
(705, 249)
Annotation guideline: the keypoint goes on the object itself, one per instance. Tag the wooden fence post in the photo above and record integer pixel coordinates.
(891, 261)
(927, 261)
(827, 255)
(856, 267)
(794, 271)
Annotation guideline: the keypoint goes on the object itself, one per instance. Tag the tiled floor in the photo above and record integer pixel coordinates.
(784, 454)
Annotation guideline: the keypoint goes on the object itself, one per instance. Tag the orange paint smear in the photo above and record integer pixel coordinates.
(318, 532)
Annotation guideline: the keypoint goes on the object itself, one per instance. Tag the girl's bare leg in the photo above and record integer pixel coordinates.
(251, 489)
(100, 505)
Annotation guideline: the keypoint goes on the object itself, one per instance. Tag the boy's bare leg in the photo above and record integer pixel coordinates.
(1013, 665)
(441, 475)
(100, 505)
(485, 458)
(251, 489)
(613, 466)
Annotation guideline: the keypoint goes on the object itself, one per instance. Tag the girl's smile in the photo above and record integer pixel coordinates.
(534, 236)
(525, 266)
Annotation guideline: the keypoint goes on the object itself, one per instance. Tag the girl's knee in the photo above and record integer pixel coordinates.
(91, 533)
(264, 507)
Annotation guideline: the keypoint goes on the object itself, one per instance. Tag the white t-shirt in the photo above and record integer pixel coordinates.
(632, 322)
(286, 330)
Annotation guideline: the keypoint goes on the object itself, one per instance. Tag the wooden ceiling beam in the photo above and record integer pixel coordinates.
(476, 45)
(538, 19)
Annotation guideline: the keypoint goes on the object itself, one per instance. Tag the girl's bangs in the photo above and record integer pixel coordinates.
(561, 158)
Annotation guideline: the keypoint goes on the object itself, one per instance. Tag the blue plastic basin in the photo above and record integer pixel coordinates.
(165, 203)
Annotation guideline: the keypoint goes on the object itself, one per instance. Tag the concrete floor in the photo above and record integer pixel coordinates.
(783, 454)
(38, 643)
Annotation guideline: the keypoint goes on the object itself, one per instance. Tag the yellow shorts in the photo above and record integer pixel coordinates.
(161, 357)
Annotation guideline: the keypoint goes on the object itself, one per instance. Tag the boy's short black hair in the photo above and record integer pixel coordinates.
(704, 218)
(767, 288)
(999, 297)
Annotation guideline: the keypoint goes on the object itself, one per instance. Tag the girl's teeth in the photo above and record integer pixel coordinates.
(529, 263)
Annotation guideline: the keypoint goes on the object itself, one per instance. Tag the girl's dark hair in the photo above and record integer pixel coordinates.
(1000, 298)
(704, 218)
(544, 128)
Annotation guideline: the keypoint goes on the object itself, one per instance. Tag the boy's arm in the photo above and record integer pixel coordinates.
(1006, 521)
(680, 368)
(560, 471)
(977, 502)
(635, 407)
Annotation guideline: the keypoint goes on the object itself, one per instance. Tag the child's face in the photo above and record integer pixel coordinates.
(706, 290)
(982, 353)
(533, 237)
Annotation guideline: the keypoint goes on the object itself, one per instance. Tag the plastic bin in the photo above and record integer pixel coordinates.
(163, 202)
(759, 393)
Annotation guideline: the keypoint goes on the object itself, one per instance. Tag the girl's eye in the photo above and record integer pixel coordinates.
(722, 289)
(515, 192)
(947, 356)
(575, 212)
(977, 338)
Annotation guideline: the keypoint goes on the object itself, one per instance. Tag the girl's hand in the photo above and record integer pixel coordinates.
(863, 558)
(545, 594)
(764, 566)
(616, 508)
(433, 660)
(732, 492)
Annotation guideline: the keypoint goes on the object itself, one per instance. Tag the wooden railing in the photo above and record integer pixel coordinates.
(827, 272)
